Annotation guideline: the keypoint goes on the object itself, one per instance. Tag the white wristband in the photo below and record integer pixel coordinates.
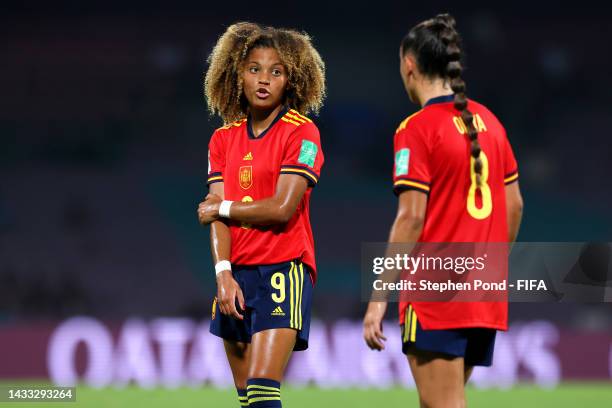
(222, 266)
(224, 208)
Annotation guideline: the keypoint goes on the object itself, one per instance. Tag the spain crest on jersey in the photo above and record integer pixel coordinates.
(245, 177)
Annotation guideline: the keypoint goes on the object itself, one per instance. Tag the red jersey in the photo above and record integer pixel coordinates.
(249, 168)
(432, 155)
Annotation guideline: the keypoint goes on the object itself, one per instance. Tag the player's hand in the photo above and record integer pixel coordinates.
(372, 325)
(208, 210)
(228, 291)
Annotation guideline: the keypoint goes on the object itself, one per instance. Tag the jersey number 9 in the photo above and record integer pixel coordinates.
(278, 282)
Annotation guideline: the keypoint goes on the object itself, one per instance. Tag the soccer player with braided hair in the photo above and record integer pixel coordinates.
(262, 166)
(456, 179)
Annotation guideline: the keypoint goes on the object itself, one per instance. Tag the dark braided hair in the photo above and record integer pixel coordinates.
(436, 46)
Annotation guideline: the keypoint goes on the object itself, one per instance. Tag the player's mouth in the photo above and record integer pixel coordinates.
(262, 93)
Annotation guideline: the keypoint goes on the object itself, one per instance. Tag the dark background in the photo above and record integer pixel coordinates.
(104, 134)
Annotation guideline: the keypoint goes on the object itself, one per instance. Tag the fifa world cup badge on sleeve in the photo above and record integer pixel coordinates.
(402, 157)
(308, 153)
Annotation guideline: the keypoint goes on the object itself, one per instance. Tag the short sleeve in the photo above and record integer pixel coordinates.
(411, 169)
(303, 154)
(510, 166)
(216, 159)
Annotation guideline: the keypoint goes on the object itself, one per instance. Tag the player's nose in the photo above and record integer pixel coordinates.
(264, 78)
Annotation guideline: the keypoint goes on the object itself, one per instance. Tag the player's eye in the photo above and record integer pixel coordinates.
(253, 70)
(277, 72)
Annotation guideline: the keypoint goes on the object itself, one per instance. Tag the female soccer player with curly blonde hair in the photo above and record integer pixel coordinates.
(263, 164)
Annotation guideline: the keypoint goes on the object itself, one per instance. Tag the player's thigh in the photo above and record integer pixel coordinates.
(270, 353)
(284, 300)
(238, 355)
(439, 378)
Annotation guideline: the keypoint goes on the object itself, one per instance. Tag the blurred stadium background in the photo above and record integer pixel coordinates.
(106, 277)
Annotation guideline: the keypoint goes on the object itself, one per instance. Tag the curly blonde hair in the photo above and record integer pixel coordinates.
(223, 82)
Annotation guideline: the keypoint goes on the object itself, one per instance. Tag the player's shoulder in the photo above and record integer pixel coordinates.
(481, 109)
(293, 120)
(295, 124)
(227, 128)
(412, 121)
(222, 134)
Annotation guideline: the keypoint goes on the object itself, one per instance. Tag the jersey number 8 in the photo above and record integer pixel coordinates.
(485, 191)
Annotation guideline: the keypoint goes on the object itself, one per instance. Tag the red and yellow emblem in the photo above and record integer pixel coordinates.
(214, 308)
(245, 177)
(246, 199)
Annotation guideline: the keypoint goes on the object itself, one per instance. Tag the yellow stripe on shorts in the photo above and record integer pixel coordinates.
(407, 323)
(296, 288)
(301, 292)
(413, 328)
(291, 301)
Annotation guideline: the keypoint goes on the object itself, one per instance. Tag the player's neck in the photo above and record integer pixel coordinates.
(262, 119)
(431, 89)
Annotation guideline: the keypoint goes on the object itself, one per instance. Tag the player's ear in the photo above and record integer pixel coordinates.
(409, 63)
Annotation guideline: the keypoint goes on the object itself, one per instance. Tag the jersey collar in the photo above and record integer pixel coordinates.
(262, 134)
(440, 99)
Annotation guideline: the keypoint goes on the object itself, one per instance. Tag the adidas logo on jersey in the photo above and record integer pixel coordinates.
(248, 156)
(277, 312)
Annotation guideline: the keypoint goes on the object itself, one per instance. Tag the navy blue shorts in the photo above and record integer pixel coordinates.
(475, 345)
(276, 296)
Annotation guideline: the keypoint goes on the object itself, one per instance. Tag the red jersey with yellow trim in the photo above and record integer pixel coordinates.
(432, 155)
(249, 168)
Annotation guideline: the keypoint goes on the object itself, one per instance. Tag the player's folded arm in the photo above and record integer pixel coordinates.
(277, 209)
